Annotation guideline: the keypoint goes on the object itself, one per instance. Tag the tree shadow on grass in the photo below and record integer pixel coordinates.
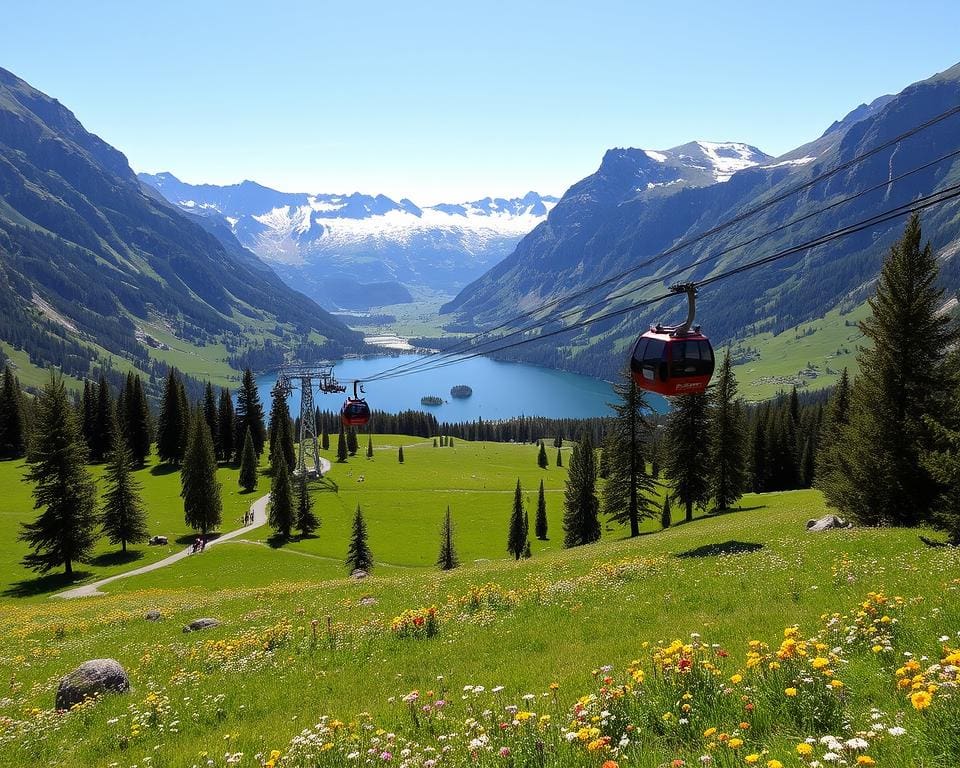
(117, 558)
(276, 541)
(188, 538)
(726, 548)
(164, 469)
(43, 585)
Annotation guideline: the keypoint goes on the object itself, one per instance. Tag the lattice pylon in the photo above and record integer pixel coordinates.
(309, 447)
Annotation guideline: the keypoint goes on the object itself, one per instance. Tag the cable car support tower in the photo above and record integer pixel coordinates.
(303, 376)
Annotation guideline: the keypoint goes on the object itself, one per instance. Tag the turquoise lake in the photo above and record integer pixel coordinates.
(500, 390)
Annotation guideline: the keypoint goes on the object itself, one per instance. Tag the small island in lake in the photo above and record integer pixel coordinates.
(431, 400)
(461, 390)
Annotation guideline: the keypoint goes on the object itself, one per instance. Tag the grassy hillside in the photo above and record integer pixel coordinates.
(566, 659)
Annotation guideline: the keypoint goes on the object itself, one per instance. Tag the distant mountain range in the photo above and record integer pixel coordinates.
(91, 260)
(640, 203)
(356, 251)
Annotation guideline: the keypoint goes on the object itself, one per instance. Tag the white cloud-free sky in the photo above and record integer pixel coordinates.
(448, 101)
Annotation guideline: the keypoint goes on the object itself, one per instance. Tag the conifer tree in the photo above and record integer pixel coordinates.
(211, 417)
(281, 517)
(688, 458)
(88, 413)
(517, 534)
(527, 554)
(226, 425)
(103, 422)
(540, 523)
(400, 455)
(542, 457)
(123, 517)
(434, 442)
(880, 478)
(13, 442)
(341, 446)
(307, 520)
(281, 430)
(369, 447)
(559, 458)
(359, 556)
(835, 420)
(249, 413)
(199, 488)
(758, 452)
(655, 462)
(666, 514)
(728, 477)
(325, 439)
(450, 442)
(64, 532)
(580, 517)
(352, 445)
(447, 560)
(628, 492)
(173, 422)
(137, 422)
(248, 464)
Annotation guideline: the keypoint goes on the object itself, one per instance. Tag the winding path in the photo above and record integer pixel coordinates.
(259, 509)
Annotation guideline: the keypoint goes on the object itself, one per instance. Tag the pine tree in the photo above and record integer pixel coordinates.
(249, 473)
(400, 455)
(542, 458)
(628, 492)
(352, 446)
(527, 554)
(124, 518)
(728, 478)
(173, 422)
(64, 532)
(225, 426)
(13, 443)
(281, 430)
(758, 452)
(880, 478)
(580, 517)
(103, 426)
(517, 534)
(325, 439)
(559, 458)
(88, 413)
(540, 523)
(202, 508)
(281, 517)
(688, 457)
(137, 423)
(447, 560)
(835, 420)
(249, 413)
(211, 417)
(359, 556)
(342, 446)
(450, 442)
(307, 520)
(666, 514)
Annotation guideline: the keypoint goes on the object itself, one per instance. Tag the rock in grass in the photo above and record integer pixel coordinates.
(153, 615)
(826, 523)
(197, 624)
(359, 575)
(92, 678)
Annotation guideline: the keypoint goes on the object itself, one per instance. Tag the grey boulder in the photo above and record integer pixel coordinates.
(92, 678)
(826, 523)
(197, 624)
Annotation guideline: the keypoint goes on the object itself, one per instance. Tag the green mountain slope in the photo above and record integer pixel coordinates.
(90, 262)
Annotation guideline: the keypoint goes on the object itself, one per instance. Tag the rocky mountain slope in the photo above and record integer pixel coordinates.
(356, 251)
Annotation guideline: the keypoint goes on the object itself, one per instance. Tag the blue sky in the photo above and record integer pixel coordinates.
(447, 101)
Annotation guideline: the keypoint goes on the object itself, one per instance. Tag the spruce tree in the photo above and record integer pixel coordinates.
(450, 442)
(369, 447)
(688, 457)
(400, 455)
(199, 488)
(352, 441)
(341, 446)
(249, 473)
(559, 458)
(225, 426)
(628, 492)
(447, 560)
(759, 473)
(359, 556)
(307, 520)
(64, 532)
(281, 430)
(123, 517)
(249, 413)
(880, 478)
(540, 523)
(728, 478)
(211, 417)
(325, 439)
(835, 420)
(542, 457)
(580, 517)
(666, 514)
(103, 422)
(517, 534)
(173, 422)
(13, 442)
(281, 517)
(137, 424)
(88, 414)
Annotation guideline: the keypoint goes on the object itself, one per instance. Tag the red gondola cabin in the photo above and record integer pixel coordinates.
(355, 412)
(671, 364)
